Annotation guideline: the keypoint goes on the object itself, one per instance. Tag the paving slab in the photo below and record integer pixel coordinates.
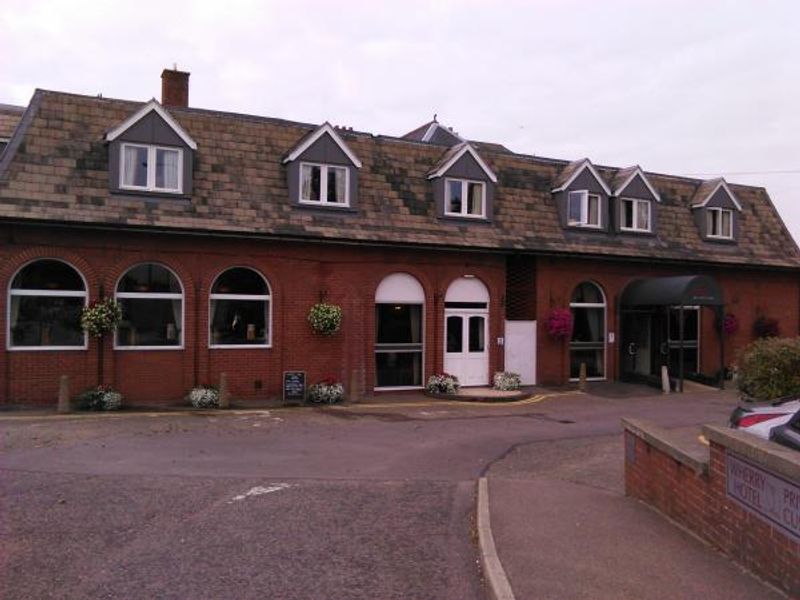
(564, 530)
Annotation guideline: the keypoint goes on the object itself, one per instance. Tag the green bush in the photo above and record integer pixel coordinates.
(769, 369)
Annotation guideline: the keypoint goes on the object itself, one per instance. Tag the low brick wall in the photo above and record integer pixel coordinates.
(741, 494)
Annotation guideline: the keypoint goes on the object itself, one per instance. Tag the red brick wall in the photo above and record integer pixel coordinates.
(700, 503)
(747, 293)
(299, 274)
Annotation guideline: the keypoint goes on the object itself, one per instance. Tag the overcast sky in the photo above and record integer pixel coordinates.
(698, 88)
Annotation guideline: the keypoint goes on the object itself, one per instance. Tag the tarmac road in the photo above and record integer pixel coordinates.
(343, 503)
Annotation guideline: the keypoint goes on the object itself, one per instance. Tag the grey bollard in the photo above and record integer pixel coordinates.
(63, 394)
(224, 397)
(665, 387)
(582, 378)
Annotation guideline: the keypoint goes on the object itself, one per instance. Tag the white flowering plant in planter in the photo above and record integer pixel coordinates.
(101, 316)
(443, 383)
(204, 396)
(327, 391)
(99, 398)
(506, 381)
(325, 319)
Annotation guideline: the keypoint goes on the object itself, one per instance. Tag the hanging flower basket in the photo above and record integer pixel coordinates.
(730, 324)
(325, 319)
(765, 327)
(101, 316)
(559, 323)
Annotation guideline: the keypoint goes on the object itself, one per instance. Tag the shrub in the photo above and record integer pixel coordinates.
(204, 396)
(443, 383)
(99, 398)
(506, 381)
(327, 391)
(325, 318)
(769, 369)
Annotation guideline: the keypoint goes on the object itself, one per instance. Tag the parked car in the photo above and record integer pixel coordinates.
(788, 434)
(760, 420)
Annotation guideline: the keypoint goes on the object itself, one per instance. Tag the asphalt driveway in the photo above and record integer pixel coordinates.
(358, 502)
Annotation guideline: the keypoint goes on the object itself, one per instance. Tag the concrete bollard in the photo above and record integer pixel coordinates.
(63, 394)
(353, 394)
(665, 386)
(582, 378)
(224, 396)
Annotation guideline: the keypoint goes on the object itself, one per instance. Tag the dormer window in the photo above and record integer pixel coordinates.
(150, 154)
(719, 223)
(323, 184)
(151, 168)
(584, 209)
(465, 198)
(634, 215)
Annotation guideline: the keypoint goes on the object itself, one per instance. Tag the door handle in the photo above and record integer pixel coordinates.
(632, 349)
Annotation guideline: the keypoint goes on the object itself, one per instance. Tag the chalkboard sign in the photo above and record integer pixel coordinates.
(294, 386)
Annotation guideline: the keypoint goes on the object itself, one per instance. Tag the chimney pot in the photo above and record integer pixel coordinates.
(175, 88)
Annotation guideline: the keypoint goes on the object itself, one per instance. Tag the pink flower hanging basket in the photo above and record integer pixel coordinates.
(730, 324)
(559, 323)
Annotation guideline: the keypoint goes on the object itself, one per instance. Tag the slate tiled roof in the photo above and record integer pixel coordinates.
(9, 117)
(57, 170)
(621, 176)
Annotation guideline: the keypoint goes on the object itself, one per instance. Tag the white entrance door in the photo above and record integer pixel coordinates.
(520, 350)
(466, 354)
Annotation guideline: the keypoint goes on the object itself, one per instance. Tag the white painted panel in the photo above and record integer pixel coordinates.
(520, 350)
(467, 289)
(400, 288)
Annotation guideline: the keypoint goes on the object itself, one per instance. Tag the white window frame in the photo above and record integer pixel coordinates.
(153, 296)
(584, 200)
(252, 297)
(323, 185)
(44, 293)
(604, 306)
(637, 202)
(709, 221)
(464, 198)
(151, 169)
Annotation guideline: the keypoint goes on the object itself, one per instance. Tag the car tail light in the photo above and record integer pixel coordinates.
(750, 420)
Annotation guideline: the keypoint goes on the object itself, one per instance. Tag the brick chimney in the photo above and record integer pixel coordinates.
(175, 88)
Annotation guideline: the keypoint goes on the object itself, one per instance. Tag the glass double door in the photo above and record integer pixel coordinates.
(651, 339)
(466, 354)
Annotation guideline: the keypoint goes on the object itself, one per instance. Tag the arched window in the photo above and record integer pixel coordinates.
(588, 343)
(239, 313)
(152, 308)
(399, 315)
(45, 301)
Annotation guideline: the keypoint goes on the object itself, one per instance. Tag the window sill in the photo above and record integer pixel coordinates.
(464, 218)
(325, 208)
(147, 348)
(151, 195)
(239, 346)
(45, 348)
(720, 239)
(579, 227)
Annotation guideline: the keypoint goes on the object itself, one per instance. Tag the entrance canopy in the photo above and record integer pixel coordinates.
(686, 290)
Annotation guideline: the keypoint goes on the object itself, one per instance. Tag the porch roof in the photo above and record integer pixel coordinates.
(686, 290)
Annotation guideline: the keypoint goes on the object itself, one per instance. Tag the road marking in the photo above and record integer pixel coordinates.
(260, 491)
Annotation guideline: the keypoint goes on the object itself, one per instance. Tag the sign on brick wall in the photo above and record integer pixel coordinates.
(769, 496)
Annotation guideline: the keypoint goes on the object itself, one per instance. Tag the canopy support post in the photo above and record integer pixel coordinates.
(721, 335)
(680, 355)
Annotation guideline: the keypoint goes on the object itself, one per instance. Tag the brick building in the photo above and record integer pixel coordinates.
(217, 232)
